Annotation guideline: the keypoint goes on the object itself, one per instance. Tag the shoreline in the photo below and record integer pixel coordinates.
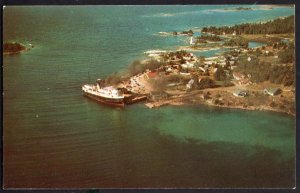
(223, 98)
(173, 102)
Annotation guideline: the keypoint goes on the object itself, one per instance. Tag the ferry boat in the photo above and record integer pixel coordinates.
(107, 95)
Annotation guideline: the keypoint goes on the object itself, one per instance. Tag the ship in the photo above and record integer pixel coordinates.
(108, 95)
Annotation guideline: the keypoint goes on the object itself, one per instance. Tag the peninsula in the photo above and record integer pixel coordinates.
(259, 78)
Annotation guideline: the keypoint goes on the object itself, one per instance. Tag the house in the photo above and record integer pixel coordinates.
(240, 93)
(151, 74)
(185, 73)
(238, 76)
(187, 65)
(272, 91)
(190, 84)
(168, 69)
(202, 69)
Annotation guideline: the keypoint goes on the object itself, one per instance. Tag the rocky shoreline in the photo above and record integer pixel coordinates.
(197, 98)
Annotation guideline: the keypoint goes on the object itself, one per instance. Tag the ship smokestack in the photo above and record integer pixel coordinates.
(100, 83)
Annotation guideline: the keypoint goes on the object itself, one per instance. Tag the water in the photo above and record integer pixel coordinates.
(256, 44)
(54, 137)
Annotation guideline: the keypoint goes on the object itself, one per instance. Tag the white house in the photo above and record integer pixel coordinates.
(272, 91)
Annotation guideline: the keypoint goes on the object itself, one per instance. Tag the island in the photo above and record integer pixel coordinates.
(177, 33)
(11, 48)
(260, 78)
(239, 8)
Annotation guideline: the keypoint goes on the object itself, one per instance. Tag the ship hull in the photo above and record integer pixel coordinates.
(106, 101)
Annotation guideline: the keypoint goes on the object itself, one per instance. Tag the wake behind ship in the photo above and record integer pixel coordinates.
(107, 95)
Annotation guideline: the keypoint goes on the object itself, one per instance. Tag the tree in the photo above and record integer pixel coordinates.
(220, 74)
(287, 56)
(205, 83)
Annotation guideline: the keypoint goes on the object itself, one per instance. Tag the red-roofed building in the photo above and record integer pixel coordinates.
(152, 74)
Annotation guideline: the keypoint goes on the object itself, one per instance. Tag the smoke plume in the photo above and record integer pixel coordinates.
(134, 68)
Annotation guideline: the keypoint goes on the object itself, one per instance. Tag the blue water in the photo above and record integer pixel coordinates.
(256, 44)
(54, 137)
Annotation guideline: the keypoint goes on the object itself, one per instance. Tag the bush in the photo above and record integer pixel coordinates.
(206, 83)
(287, 56)
(220, 74)
(242, 42)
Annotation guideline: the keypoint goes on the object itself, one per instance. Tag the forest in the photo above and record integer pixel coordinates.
(239, 41)
(263, 71)
(277, 26)
(204, 38)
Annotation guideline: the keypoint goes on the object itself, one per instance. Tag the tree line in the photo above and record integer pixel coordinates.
(204, 38)
(242, 42)
(277, 26)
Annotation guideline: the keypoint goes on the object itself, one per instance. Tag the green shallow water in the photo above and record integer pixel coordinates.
(55, 137)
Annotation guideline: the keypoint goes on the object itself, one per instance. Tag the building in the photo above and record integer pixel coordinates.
(240, 93)
(156, 96)
(187, 65)
(272, 91)
(190, 84)
(238, 76)
(151, 74)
